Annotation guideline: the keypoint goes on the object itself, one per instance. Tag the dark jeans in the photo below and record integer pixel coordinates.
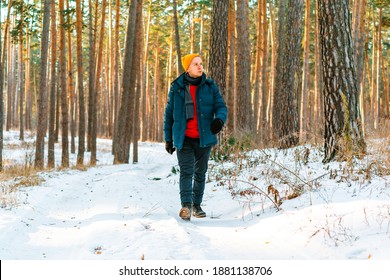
(193, 163)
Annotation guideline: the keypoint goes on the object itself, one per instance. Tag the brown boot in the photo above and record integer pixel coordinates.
(185, 212)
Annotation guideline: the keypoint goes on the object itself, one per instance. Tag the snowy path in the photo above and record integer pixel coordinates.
(113, 212)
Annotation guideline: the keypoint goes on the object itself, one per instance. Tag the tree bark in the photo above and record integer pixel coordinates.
(145, 97)
(359, 35)
(122, 139)
(2, 63)
(72, 97)
(137, 62)
(10, 69)
(285, 110)
(343, 133)
(11, 86)
(377, 99)
(156, 90)
(318, 84)
(304, 108)
(274, 47)
(1, 104)
(177, 39)
(218, 44)
(92, 77)
(265, 98)
(97, 88)
(80, 82)
(21, 78)
(257, 75)
(63, 91)
(116, 68)
(42, 98)
(243, 69)
(29, 103)
(53, 82)
(231, 87)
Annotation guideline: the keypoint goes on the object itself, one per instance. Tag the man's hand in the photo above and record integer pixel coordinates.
(169, 147)
(216, 126)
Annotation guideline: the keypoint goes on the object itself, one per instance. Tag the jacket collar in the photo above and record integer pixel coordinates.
(179, 81)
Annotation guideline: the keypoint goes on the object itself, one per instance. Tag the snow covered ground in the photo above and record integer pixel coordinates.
(130, 211)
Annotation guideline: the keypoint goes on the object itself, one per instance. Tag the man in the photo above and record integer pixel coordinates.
(194, 114)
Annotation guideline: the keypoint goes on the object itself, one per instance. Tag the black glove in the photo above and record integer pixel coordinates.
(216, 126)
(169, 147)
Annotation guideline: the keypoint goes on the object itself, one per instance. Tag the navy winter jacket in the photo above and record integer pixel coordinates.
(209, 105)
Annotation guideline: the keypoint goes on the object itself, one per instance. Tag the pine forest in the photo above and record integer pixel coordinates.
(291, 72)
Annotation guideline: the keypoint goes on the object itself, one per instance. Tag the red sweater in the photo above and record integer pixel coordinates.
(192, 130)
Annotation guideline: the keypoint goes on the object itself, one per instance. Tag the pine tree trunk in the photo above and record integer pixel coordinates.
(258, 67)
(6, 33)
(11, 86)
(156, 90)
(145, 97)
(1, 103)
(63, 91)
(97, 88)
(285, 110)
(177, 39)
(28, 107)
(359, 35)
(72, 97)
(201, 32)
(80, 82)
(318, 85)
(377, 99)
(53, 82)
(231, 87)
(122, 139)
(264, 123)
(243, 69)
(110, 73)
(218, 44)
(116, 73)
(21, 82)
(343, 134)
(218, 52)
(137, 70)
(371, 112)
(274, 44)
(304, 115)
(58, 104)
(42, 98)
(2, 75)
(361, 102)
(92, 77)
(386, 97)
(192, 31)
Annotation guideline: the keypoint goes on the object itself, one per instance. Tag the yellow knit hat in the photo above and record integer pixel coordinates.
(186, 60)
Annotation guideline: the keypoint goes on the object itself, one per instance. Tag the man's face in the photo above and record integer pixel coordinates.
(196, 67)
